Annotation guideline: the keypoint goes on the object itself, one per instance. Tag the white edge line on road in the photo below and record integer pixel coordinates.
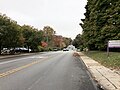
(5, 62)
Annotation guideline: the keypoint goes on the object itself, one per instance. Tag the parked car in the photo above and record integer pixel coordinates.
(22, 49)
(5, 51)
(55, 49)
(15, 50)
(65, 49)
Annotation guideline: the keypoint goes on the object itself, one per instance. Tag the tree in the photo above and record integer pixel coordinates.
(48, 31)
(13, 35)
(36, 40)
(48, 34)
(9, 33)
(67, 41)
(33, 37)
(101, 23)
(78, 41)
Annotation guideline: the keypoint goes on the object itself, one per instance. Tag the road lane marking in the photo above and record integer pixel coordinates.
(23, 67)
(5, 62)
(18, 69)
(37, 57)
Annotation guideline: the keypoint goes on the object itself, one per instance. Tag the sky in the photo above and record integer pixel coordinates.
(63, 16)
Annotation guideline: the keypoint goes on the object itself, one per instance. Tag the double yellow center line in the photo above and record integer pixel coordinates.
(18, 69)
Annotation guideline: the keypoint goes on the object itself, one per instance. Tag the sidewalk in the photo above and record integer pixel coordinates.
(105, 77)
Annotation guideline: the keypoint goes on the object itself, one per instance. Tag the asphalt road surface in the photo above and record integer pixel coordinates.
(46, 71)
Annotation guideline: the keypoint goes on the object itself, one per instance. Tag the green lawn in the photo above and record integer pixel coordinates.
(112, 61)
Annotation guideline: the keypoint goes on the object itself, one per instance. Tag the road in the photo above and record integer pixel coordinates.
(46, 71)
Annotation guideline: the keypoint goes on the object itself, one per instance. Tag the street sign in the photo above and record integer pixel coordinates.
(114, 44)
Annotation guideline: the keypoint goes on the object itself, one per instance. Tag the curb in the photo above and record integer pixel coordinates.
(106, 78)
(18, 55)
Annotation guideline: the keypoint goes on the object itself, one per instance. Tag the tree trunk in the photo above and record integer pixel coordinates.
(28, 48)
(0, 49)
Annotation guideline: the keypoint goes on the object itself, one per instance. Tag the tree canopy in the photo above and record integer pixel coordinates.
(12, 35)
(101, 23)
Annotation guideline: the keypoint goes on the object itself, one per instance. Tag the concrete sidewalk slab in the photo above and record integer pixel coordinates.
(105, 77)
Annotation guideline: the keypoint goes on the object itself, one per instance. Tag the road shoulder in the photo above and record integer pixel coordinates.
(106, 78)
(16, 55)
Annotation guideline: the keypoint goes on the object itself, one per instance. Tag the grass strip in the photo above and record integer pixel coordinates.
(112, 61)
